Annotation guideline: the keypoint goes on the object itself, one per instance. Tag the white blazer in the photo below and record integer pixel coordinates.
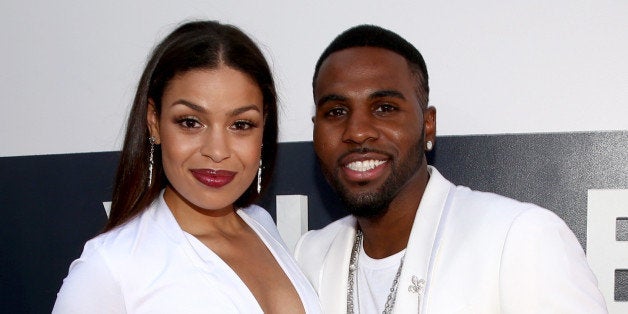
(150, 265)
(468, 252)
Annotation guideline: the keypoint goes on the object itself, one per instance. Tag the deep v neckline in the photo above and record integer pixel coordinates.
(205, 258)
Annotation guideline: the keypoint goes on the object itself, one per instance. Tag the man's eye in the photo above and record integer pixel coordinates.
(385, 108)
(336, 112)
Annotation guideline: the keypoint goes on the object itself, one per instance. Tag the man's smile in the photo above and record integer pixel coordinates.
(365, 165)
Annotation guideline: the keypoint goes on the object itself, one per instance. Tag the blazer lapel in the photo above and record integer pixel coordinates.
(334, 277)
(422, 245)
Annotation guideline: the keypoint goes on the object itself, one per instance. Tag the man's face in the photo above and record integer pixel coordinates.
(369, 128)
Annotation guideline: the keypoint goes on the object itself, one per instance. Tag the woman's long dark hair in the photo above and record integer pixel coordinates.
(193, 45)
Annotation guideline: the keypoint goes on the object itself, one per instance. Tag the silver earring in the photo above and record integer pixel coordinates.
(429, 145)
(151, 161)
(259, 172)
(259, 177)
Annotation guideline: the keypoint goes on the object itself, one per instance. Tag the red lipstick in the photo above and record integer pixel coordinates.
(213, 178)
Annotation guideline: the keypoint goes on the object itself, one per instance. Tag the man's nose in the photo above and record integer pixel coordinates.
(360, 128)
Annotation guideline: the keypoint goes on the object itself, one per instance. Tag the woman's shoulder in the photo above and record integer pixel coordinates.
(262, 218)
(131, 238)
(114, 242)
(259, 214)
(97, 273)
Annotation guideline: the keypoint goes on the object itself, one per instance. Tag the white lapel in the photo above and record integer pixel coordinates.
(423, 244)
(335, 271)
(163, 219)
(215, 270)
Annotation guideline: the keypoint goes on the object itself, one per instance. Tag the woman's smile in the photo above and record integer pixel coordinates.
(213, 178)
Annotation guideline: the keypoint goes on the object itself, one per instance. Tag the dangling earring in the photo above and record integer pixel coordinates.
(259, 177)
(151, 161)
(429, 145)
(259, 172)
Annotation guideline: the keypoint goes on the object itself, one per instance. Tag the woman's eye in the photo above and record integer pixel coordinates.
(189, 123)
(242, 125)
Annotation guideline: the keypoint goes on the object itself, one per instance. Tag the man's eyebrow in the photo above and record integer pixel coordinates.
(387, 93)
(377, 94)
(330, 97)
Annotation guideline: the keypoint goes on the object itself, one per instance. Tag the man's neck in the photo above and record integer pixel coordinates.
(389, 233)
(384, 237)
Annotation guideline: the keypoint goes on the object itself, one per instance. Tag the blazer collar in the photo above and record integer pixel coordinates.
(423, 243)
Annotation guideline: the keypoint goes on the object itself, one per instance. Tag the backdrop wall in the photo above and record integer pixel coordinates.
(69, 69)
(531, 98)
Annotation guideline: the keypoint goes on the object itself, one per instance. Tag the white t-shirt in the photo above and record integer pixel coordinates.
(374, 281)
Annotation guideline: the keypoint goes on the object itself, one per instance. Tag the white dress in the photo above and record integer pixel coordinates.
(150, 265)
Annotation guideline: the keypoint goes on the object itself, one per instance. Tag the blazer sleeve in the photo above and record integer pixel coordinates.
(90, 286)
(544, 270)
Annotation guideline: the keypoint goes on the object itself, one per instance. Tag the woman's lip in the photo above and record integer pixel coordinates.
(213, 178)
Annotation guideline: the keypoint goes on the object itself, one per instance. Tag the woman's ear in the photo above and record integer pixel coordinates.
(152, 120)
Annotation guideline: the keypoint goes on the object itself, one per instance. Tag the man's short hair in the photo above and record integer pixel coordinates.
(375, 36)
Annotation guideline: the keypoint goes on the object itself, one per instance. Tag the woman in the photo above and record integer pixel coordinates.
(182, 236)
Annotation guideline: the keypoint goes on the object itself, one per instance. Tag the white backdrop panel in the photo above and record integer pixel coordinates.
(69, 68)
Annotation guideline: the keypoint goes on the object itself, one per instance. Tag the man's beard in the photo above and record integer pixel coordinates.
(375, 204)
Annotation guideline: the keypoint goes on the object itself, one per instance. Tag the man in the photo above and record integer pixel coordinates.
(414, 242)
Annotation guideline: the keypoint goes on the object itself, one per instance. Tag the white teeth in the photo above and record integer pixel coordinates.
(364, 165)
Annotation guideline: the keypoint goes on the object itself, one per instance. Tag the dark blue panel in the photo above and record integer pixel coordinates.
(50, 205)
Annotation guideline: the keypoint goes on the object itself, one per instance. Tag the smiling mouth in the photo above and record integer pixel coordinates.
(364, 165)
(213, 178)
(362, 171)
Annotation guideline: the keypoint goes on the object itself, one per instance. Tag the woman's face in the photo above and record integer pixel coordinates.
(210, 130)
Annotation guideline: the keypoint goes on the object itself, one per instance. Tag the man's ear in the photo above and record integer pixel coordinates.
(152, 120)
(429, 124)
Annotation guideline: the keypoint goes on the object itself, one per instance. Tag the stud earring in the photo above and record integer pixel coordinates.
(429, 145)
(151, 160)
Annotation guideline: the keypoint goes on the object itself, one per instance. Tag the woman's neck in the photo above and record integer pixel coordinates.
(203, 222)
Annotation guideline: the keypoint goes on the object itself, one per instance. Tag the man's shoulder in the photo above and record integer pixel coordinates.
(483, 204)
(322, 238)
(317, 243)
(316, 246)
(475, 199)
(483, 211)
(488, 201)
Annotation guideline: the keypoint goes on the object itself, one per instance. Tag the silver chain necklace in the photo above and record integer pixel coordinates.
(353, 267)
